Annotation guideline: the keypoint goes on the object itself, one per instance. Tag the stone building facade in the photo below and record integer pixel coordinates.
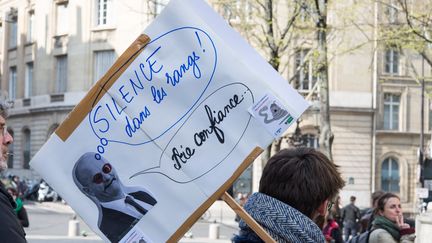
(52, 52)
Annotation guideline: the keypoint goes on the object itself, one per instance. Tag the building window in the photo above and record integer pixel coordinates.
(392, 56)
(12, 82)
(310, 140)
(243, 185)
(237, 10)
(305, 78)
(430, 116)
(304, 13)
(62, 18)
(11, 146)
(1, 35)
(103, 12)
(390, 175)
(26, 149)
(30, 26)
(391, 111)
(13, 28)
(61, 74)
(391, 11)
(28, 80)
(160, 5)
(103, 60)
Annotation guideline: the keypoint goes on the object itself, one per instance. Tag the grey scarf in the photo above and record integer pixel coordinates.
(281, 221)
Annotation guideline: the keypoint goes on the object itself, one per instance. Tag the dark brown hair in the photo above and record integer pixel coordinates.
(375, 196)
(383, 200)
(302, 178)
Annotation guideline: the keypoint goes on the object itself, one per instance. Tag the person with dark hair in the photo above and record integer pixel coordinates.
(336, 212)
(350, 217)
(388, 225)
(332, 231)
(20, 210)
(10, 228)
(19, 185)
(297, 186)
(120, 207)
(366, 220)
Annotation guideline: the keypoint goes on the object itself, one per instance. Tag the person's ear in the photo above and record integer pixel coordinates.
(322, 209)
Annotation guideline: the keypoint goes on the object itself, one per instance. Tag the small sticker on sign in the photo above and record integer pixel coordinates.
(272, 114)
(135, 235)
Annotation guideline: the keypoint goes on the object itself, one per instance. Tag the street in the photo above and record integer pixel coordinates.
(49, 222)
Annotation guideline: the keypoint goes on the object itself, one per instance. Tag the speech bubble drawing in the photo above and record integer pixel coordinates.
(218, 123)
(158, 90)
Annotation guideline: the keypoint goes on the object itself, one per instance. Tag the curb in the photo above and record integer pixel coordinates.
(52, 206)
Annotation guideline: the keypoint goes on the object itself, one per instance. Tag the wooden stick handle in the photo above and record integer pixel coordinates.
(247, 218)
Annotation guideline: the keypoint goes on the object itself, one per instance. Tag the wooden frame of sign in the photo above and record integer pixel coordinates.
(95, 94)
(221, 192)
(77, 115)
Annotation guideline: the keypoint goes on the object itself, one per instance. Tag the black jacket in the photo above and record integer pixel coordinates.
(10, 227)
(116, 224)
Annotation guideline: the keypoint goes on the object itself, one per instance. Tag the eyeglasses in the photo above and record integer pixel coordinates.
(330, 205)
(98, 178)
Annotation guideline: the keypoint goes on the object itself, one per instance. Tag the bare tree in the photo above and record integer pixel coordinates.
(272, 26)
(418, 19)
(269, 26)
(326, 134)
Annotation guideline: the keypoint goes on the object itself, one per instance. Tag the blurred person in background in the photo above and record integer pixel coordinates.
(350, 217)
(388, 225)
(19, 185)
(20, 210)
(367, 219)
(332, 231)
(336, 212)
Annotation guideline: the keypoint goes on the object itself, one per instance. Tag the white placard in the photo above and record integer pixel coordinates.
(423, 192)
(172, 128)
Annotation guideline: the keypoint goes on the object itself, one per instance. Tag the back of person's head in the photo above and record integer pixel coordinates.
(352, 199)
(383, 200)
(302, 178)
(375, 196)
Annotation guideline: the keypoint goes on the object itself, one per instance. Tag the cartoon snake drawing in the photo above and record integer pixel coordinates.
(276, 111)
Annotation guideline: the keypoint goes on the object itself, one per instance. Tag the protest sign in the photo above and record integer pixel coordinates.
(179, 115)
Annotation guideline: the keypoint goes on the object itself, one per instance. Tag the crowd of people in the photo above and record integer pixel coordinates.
(383, 222)
(297, 202)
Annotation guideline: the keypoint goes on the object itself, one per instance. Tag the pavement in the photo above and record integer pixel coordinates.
(58, 207)
(219, 213)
